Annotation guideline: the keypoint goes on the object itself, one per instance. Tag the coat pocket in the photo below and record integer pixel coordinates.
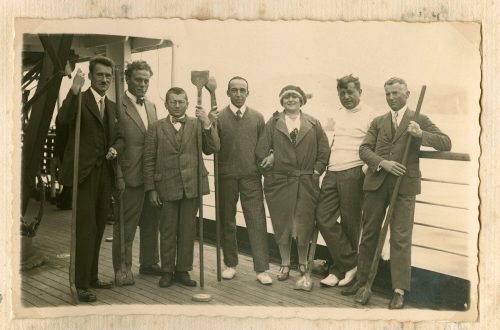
(414, 173)
(157, 177)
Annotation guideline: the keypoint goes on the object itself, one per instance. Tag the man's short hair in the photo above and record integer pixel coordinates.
(344, 82)
(395, 80)
(237, 78)
(137, 65)
(101, 60)
(176, 91)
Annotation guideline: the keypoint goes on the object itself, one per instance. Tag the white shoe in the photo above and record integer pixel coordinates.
(330, 280)
(264, 278)
(228, 273)
(349, 276)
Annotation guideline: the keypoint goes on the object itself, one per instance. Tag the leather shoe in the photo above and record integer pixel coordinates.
(101, 285)
(330, 281)
(86, 295)
(184, 279)
(397, 301)
(351, 290)
(166, 280)
(150, 270)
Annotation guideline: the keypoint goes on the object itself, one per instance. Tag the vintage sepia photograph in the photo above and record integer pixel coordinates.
(268, 167)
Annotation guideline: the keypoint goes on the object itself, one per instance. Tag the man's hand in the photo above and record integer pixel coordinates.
(393, 167)
(201, 114)
(213, 115)
(414, 129)
(154, 198)
(267, 162)
(112, 153)
(78, 82)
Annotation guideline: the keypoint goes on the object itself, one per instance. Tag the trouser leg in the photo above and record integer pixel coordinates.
(186, 233)
(252, 203)
(401, 237)
(228, 198)
(285, 249)
(132, 199)
(149, 232)
(169, 216)
(374, 208)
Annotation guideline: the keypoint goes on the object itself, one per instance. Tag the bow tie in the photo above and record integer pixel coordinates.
(139, 100)
(177, 120)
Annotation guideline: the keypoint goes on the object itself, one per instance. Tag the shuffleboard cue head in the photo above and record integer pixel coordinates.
(202, 297)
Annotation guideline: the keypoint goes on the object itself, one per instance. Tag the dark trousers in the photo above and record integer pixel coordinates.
(252, 203)
(93, 206)
(341, 191)
(137, 210)
(177, 234)
(401, 227)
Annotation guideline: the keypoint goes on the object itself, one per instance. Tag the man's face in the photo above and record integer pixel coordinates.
(237, 92)
(177, 105)
(396, 95)
(138, 82)
(100, 79)
(350, 96)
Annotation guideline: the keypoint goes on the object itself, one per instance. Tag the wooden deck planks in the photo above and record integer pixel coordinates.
(48, 284)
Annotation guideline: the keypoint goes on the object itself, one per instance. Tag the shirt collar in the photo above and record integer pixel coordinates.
(234, 108)
(170, 117)
(131, 97)
(401, 112)
(97, 96)
(355, 109)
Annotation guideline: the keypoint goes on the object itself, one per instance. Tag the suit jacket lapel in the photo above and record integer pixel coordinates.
(190, 125)
(130, 109)
(169, 130)
(92, 105)
(151, 112)
(387, 125)
(305, 126)
(403, 125)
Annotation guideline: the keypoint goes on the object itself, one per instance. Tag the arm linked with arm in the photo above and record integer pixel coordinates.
(367, 148)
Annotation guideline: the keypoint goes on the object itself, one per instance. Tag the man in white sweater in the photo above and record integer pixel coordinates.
(342, 186)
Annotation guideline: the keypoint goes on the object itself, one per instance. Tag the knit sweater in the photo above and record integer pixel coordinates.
(238, 138)
(350, 130)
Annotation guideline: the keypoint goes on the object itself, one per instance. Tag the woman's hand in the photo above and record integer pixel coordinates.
(267, 162)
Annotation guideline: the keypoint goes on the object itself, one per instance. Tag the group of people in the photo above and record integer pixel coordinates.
(153, 166)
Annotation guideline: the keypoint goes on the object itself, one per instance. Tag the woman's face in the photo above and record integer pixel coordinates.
(291, 103)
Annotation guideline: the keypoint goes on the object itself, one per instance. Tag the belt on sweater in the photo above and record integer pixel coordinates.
(295, 173)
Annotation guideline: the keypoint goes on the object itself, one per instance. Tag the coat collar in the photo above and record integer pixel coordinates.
(92, 104)
(402, 128)
(306, 123)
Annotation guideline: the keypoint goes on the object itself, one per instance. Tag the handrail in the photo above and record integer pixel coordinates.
(445, 155)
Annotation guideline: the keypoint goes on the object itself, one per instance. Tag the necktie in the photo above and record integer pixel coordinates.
(239, 113)
(101, 107)
(395, 120)
(139, 100)
(178, 120)
(293, 135)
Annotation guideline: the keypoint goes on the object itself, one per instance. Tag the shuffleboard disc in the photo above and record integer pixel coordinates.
(202, 297)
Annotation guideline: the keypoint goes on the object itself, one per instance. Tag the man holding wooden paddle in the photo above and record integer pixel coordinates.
(100, 142)
(385, 149)
(171, 167)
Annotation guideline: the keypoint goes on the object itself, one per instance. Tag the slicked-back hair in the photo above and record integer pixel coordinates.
(137, 65)
(343, 83)
(101, 60)
(237, 78)
(175, 91)
(396, 80)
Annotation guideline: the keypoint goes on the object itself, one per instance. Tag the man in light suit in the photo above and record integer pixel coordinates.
(382, 150)
(100, 143)
(137, 115)
(171, 181)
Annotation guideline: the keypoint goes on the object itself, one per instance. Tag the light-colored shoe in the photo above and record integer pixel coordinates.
(228, 273)
(330, 280)
(349, 276)
(264, 278)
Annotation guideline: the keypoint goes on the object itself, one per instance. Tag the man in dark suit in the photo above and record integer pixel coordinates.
(137, 115)
(382, 150)
(171, 181)
(239, 129)
(100, 143)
